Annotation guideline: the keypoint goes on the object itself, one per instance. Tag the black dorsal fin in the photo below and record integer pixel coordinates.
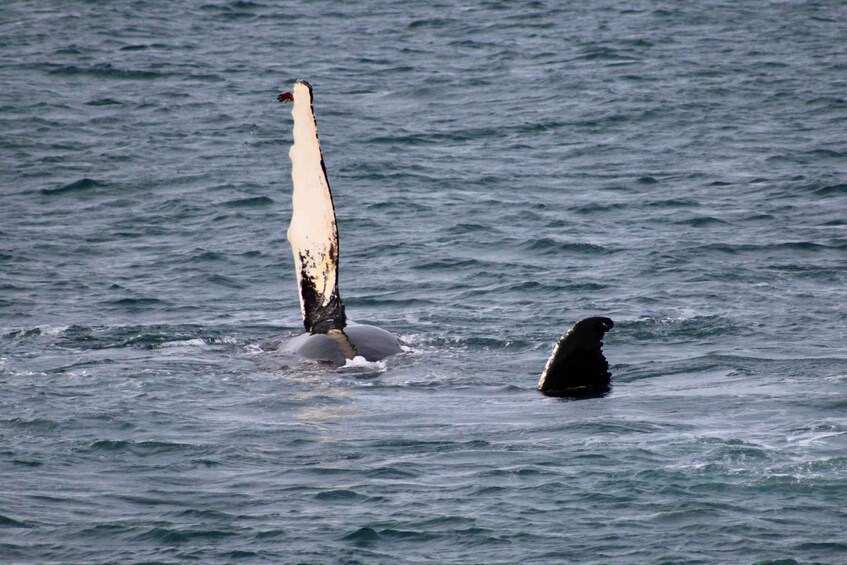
(577, 364)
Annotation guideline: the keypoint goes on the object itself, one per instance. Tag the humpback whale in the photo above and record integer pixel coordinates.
(313, 236)
(576, 367)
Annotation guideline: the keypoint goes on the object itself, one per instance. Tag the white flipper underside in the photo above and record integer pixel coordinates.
(312, 233)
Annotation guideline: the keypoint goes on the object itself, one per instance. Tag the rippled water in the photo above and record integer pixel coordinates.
(500, 170)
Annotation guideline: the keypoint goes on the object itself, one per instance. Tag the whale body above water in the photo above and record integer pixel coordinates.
(576, 366)
(313, 235)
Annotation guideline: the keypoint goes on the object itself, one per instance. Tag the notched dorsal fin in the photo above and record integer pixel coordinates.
(312, 233)
(577, 364)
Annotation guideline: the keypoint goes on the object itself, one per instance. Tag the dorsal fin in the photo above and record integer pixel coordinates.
(312, 233)
(577, 364)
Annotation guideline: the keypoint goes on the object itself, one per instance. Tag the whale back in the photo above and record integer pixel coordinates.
(370, 342)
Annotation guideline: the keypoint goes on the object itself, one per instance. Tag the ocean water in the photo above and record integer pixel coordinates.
(500, 170)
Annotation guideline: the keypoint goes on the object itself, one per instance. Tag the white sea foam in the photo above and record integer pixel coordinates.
(195, 342)
(359, 362)
(226, 340)
(253, 349)
(52, 330)
(809, 438)
(42, 330)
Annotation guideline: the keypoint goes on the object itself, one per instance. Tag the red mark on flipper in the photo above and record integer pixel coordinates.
(285, 97)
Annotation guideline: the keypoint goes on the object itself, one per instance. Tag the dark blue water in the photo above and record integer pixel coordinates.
(500, 170)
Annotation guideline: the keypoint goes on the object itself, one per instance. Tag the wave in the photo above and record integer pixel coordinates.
(81, 185)
(106, 70)
(548, 246)
(831, 190)
(250, 202)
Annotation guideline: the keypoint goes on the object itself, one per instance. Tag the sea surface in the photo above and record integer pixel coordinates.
(500, 170)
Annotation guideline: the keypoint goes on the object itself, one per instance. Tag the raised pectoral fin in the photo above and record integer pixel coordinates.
(577, 360)
(312, 233)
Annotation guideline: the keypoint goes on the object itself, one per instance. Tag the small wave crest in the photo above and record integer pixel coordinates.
(200, 342)
(36, 331)
(106, 70)
(194, 342)
(82, 185)
(249, 202)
